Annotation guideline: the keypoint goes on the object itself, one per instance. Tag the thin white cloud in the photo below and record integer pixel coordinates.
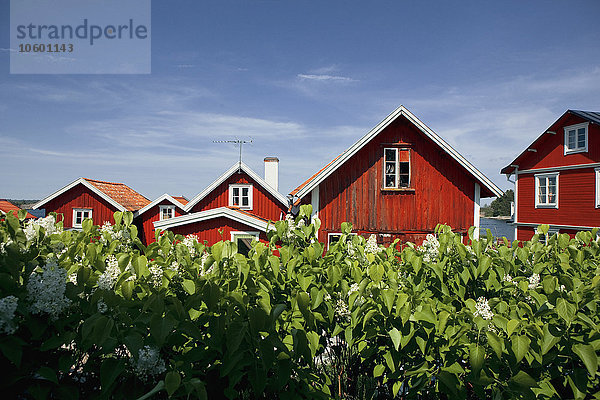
(325, 78)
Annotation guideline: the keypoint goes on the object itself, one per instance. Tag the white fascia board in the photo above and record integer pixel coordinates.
(234, 168)
(88, 185)
(162, 198)
(210, 214)
(380, 127)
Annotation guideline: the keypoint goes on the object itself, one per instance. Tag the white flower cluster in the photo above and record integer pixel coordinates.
(534, 280)
(148, 363)
(342, 310)
(156, 275)
(190, 242)
(371, 246)
(48, 224)
(3, 245)
(293, 225)
(102, 307)
(109, 277)
(430, 248)
(122, 235)
(46, 290)
(8, 306)
(353, 288)
(483, 309)
(202, 262)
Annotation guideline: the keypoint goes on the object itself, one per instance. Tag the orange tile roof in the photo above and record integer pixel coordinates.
(121, 193)
(248, 213)
(306, 182)
(6, 206)
(181, 199)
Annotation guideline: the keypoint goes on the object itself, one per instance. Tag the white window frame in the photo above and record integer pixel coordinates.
(240, 187)
(597, 174)
(537, 190)
(80, 210)
(575, 128)
(166, 207)
(396, 167)
(235, 235)
(334, 234)
(544, 238)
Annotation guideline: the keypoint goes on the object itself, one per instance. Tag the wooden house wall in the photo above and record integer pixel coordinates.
(80, 196)
(441, 191)
(145, 221)
(525, 233)
(209, 230)
(576, 200)
(264, 204)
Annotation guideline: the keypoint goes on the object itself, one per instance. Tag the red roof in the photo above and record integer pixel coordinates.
(6, 206)
(306, 182)
(121, 193)
(181, 199)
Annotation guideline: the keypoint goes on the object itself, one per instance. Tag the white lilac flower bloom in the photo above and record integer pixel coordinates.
(430, 248)
(148, 363)
(3, 245)
(46, 290)
(483, 309)
(8, 306)
(190, 242)
(109, 277)
(371, 246)
(562, 288)
(353, 288)
(534, 280)
(342, 310)
(73, 278)
(156, 275)
(48, 224)
(102, 307)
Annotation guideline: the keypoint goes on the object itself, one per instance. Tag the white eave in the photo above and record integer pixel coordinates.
(225, 212)
(162, 198)
(88, 185)
(226, 175)
(400, 111)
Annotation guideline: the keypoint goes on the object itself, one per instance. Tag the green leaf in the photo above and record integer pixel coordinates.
(395, 335)
(511, 326)
(476, 357)
(172, 382)
(549, 340)
(378, 370)
(127, 289)
(588, 355)
(110, 369)
(565, 310)
(48, 374)
(524, 380)
(389, 296)
(189, 286)
(520, 346)
(496, 343)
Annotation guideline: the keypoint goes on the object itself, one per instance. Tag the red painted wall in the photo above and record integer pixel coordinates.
(443, 191)
(526, 233)
(263, 203)
(81, 197)
(576, 200)
(209, 230)
(146, 220)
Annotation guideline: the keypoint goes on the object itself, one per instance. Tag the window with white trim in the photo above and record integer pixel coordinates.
(333, 238)
(597, 187)
(546, 190)
(240, 196)
(167, 212)
(79, 214)
(396, 168)
(576, 138)
(244, 240)
(544, 238)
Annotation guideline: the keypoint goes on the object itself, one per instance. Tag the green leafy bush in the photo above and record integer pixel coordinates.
(95, 314)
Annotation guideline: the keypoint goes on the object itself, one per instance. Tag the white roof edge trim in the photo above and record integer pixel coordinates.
(165, 196)
(226, 175)
(85, 183)
(401, 110)
(210, 214)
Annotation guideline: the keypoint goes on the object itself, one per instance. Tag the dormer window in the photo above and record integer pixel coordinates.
(576, 138)
(240, 196)
(396, 168)
(79, 214)
(167, 212)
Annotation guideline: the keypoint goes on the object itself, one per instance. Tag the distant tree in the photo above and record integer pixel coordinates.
(501, 205)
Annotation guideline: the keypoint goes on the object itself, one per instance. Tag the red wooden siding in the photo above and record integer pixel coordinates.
(576, 200)
(441, 191)
(81, 197)
(525, 233)
(209, 230)
(550, 150)
(263, 203)
(146, 220)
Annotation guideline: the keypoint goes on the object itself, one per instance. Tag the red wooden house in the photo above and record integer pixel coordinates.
(398, 181)
(236, 206)
(88, 198)
(162, 208)
(557, 177)
(6, 206)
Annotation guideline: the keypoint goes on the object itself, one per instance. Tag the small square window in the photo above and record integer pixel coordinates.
(240, 196)
(167, 212)
(546, 191)
(576, 138)
(80, 214)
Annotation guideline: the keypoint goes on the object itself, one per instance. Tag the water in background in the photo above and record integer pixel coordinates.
(499, 228)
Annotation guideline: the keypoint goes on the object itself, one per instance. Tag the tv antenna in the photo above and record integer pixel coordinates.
(239, 142)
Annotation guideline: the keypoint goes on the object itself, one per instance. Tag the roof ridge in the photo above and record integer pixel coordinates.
(99, 181)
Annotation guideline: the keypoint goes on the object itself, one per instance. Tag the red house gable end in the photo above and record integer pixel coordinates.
(573, 177)
(440, 190)
(145, 218)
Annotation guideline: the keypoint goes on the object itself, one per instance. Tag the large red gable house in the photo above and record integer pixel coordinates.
(89, 198)
(237, 206)
(557, 177)
(398, 181)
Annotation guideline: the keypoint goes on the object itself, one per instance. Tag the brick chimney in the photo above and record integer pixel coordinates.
(272, 172)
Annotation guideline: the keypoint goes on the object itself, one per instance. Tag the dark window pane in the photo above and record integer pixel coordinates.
(390, 168)
(244, 245)
(244, 201)
(581, 138)
(390, 181)
(390, 155)
(403, 180)
(404, 167)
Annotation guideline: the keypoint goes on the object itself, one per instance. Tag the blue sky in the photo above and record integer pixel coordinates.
(304, 80)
